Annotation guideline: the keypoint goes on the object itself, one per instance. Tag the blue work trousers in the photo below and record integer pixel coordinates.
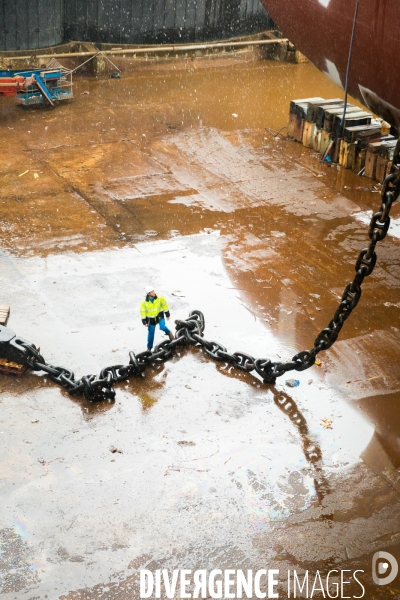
(152, 329)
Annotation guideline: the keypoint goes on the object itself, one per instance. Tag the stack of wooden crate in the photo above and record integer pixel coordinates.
(356, 142)
(378, 158)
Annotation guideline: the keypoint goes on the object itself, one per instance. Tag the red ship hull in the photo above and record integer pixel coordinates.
(321, 30)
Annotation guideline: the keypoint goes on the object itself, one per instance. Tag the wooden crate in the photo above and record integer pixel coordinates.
(291, 124)
(298, 129)
(375, 144)
(297, 112)
(387, 149)
(335, 150)
(351, 120)
(370, 164)
(4, 314)
(380, 171)
(359, 162)
(321, 110)
(388, 167)
(12, 368)
(347, 154)
(342, 150)
(294, 103)
(317, 140)
(325, 139)
(331, 113)
(361, 132)
(300, 106)
(308, 134)
(312, 108)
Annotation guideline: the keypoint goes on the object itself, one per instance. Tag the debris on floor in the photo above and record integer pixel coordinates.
(359, 380)
(113, 449)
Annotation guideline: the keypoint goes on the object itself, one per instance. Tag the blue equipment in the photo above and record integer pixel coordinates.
(40, 86)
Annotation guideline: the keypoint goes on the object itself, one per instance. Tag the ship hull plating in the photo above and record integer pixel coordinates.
(321, 29)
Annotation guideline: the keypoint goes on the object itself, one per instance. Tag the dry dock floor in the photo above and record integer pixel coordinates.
(169, 176)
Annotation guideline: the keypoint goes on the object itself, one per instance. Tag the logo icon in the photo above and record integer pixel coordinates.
(380, 566)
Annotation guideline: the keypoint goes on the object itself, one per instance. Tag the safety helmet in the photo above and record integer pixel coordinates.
(149, 288)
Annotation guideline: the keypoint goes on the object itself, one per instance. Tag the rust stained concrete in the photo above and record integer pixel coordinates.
(168, 175)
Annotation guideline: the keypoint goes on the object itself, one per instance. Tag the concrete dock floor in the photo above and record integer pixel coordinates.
(175, 175)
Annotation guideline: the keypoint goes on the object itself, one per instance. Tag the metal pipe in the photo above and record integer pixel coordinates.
(346, 85)
(152, 49)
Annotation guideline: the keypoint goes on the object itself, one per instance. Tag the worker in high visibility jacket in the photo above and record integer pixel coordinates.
(152, 312)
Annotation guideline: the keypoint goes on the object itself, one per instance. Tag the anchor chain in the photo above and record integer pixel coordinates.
(364, 266)
(101, 387)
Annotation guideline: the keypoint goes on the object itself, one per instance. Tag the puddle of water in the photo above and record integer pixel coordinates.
(365, 217)
(267, 461)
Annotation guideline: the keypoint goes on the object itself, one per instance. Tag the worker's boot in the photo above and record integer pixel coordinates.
(171, 336)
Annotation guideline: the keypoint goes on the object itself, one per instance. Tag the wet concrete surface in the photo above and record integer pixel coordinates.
(174, 175)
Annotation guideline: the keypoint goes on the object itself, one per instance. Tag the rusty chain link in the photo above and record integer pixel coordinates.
(101, 387)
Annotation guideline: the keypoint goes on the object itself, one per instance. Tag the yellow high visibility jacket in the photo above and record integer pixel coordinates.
(153, 312)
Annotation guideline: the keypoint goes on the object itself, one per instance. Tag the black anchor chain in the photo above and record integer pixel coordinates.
(101, 387)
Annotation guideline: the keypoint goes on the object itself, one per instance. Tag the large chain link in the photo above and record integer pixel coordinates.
(101, 387)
